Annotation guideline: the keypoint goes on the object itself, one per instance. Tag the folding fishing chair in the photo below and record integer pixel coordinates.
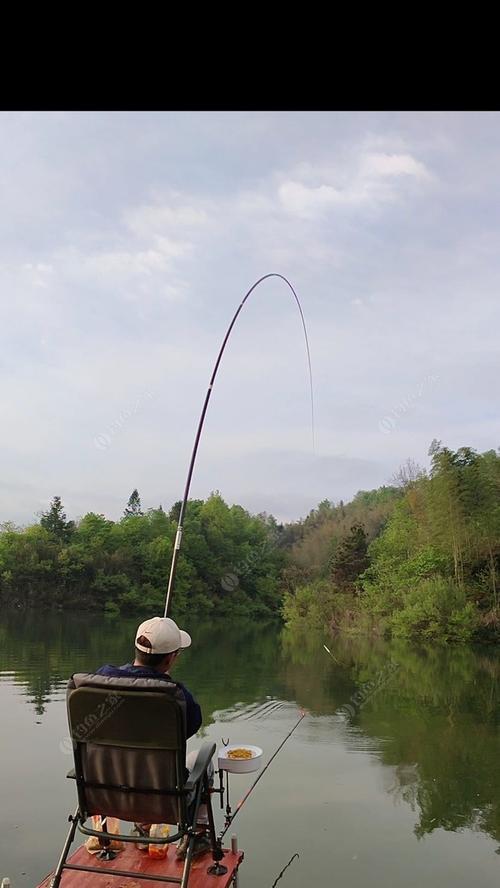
(129, 744)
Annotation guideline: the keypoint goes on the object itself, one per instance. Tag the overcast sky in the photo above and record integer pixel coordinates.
(128, 239)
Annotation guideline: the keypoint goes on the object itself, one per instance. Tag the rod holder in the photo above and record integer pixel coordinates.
(217, 868)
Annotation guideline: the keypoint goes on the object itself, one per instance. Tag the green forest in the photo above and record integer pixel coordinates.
(418, 558)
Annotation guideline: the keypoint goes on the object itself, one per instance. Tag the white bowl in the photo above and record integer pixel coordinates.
(240, 766)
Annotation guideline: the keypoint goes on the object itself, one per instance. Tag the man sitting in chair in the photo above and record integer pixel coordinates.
(158, 642)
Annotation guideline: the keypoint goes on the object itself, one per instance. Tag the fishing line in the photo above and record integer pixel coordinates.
(180, 522)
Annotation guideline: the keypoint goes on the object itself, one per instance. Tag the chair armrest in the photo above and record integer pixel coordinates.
(71, 774)
(201, 764)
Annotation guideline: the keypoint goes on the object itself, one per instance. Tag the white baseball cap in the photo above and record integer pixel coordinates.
(160, 635)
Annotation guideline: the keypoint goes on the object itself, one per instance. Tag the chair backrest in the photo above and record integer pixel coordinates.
(129, 743)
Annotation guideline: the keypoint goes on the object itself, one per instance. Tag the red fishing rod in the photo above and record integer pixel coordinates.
(180, 522)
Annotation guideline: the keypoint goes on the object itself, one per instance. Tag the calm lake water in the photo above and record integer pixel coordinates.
(392, 779)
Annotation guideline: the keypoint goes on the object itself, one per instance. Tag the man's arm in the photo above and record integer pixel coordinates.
(193, 712)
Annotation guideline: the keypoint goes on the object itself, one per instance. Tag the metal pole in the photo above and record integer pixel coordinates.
(56, 878)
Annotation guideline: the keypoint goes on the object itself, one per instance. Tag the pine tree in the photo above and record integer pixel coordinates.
(134, 505)
(54, 520)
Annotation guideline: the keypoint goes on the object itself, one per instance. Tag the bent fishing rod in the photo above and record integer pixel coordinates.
(180, 522)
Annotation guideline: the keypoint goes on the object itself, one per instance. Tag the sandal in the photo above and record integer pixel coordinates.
(138, 830)
(201, 844)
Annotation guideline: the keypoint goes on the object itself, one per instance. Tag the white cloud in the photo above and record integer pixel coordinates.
(119, 264)
(123, 256)
(362, 180)
(393, 165)
(303, 200)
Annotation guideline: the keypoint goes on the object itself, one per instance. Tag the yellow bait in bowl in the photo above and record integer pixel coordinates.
(240, 754)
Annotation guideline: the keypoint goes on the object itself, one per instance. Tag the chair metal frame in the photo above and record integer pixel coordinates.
(189, 793)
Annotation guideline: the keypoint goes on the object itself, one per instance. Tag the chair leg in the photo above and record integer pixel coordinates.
(56, 879)
(187, 862)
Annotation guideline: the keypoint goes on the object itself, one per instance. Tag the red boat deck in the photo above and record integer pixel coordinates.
(138, 862)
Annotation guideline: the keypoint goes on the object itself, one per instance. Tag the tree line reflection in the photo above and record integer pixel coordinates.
(433, 717)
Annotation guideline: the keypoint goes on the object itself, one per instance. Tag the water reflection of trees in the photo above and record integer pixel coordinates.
(227, 664)
(438, 715)
(41, 651)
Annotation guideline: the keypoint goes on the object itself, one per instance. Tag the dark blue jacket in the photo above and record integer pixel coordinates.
(193, 711)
